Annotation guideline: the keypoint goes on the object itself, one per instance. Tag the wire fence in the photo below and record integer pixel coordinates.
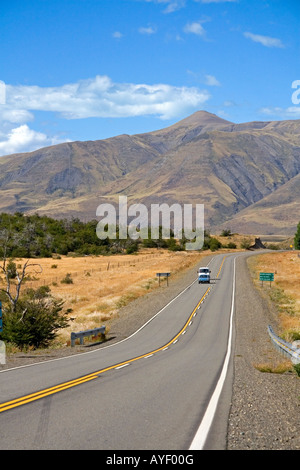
(33, 279)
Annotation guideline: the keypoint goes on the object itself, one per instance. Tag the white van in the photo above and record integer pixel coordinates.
(203, 275)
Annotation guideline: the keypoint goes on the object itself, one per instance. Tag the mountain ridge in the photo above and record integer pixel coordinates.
(202, 159)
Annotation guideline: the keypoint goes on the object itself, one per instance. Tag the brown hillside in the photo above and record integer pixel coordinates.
(245, 173)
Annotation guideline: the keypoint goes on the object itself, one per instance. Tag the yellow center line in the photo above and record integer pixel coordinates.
(43, 393)
(221, 266)
(64, 386)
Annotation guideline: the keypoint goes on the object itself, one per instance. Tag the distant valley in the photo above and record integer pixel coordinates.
(246, 175)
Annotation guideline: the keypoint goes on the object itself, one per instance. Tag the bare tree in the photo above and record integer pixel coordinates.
(11, 272)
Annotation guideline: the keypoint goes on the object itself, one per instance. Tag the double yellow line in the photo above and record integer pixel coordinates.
(73, 383)
(44, 393)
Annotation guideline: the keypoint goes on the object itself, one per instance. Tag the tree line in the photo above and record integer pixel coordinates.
(34, 236)
(42, 236)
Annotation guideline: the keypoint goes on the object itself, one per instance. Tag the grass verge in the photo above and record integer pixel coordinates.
(284, 294)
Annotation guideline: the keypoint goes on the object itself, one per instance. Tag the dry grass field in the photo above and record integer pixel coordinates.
(284, 291)
(100, 285)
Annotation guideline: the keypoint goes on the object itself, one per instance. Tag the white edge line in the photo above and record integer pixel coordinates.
(203, 430)
(121, 367)
(110, 345)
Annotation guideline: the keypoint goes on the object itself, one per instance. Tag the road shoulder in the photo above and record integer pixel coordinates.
(264, 412)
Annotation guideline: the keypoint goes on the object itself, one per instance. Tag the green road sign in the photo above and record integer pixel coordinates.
(266, 276)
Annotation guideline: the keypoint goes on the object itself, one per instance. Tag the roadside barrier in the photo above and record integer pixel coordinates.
(82, 334)
(286, 348)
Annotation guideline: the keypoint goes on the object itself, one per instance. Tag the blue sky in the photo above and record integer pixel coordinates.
(92, 69)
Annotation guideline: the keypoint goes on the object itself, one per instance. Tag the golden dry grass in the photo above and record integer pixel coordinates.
(103, 284)
(284, 290)
(280, 241)
(275, 367)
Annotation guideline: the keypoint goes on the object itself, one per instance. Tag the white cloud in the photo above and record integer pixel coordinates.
(15, 115)
(264, 40)
(24, 139)
(171, 5)
(216, 1)
(100, 97)
(2, 92)
(229, 103)
(195, 28)
(117, 35)
(96, 97)
(174, 5)
(149, 30)
(292, 112)
(210, 80)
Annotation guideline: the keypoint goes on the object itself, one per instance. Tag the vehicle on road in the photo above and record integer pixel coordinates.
(203, 275)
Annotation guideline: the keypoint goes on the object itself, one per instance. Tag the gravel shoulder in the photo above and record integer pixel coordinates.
(265, 407)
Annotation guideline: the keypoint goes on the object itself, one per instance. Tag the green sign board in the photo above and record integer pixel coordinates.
(266, 276)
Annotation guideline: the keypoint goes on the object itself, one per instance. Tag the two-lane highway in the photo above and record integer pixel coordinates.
(158, 389)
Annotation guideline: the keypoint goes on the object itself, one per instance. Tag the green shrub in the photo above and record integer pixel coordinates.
(36, 319)
(226, 233)
(297, 369)
(297, 238)
(231, 245)
(214, 244)
(245, 244)
(67, 279)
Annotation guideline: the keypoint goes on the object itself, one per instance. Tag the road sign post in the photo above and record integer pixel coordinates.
(163, 275)
(1, 323)
(266, 277)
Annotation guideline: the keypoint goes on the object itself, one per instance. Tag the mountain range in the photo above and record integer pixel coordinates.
(247, 175)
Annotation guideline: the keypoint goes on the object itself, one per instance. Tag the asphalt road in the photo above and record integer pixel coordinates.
(154, 390)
